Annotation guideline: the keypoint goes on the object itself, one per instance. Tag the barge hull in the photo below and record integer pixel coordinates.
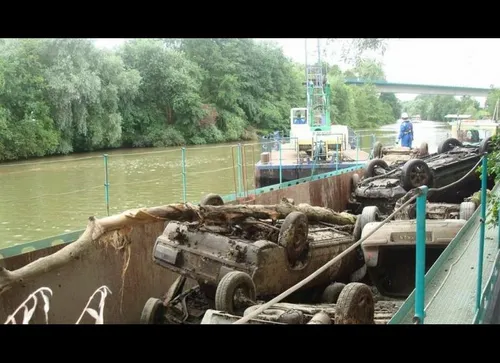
(73, 284)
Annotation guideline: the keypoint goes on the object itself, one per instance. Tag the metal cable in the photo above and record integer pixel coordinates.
(322, 269)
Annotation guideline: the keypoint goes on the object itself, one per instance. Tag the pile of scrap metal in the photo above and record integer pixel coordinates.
(231, 270)
(451, 170)
(355, 305)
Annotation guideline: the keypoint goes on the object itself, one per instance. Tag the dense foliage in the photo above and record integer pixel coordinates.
(435, 108)
(59, 96)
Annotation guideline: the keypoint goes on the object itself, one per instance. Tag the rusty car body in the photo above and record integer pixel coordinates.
(394, 155)
(233, 269)
(383, 185)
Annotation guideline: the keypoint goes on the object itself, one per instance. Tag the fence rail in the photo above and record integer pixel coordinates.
(417, 298)
(243, 156)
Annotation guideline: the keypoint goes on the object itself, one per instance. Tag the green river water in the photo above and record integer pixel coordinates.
(54, 195)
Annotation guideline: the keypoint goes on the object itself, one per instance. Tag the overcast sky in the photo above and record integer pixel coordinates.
(449, 62)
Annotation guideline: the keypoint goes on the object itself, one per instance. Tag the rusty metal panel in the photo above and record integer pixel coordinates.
(74, 284)
(299, 193)
(331, 192)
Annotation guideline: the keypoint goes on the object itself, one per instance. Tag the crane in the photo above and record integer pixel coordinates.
(312, 126)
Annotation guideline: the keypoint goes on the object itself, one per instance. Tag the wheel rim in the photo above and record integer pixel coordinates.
(241, 299)
(418, 176)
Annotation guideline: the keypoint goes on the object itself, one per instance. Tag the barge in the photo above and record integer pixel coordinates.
(316, 145)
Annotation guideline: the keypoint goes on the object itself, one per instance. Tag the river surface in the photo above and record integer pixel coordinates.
(55, 195)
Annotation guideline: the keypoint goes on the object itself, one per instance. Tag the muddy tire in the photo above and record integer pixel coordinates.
(467, 209)
(356, 233)
(152, 312)
(293, 236)
(355, 305)
(264, 245)
(354, 181)
(226, 295)
(448, 145)
(370, 167)
(368, 215)
(211, 199)
(423, 149)
(332, 293)
(292, 317)
(175, 289)
(377, 150)
(359, 274)
(486, 146)
(415, 173)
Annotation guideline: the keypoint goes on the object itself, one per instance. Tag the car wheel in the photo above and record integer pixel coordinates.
(152, 312)
(467, 209)
(486, 146)
(355, 305)
(211, 199)
(370, 167)
(377, 150)
(424, 149)
(368, 215)
(235, 292)
(332, 293)
(293, 236)
(415, 173)
(447, 145)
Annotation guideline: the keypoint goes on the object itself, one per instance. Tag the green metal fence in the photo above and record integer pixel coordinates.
(483, 291)
(233, 178)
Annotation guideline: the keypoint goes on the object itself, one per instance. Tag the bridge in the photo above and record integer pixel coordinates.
(392, 87)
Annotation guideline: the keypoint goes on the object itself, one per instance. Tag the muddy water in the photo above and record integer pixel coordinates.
(55, 195)
(425, 131)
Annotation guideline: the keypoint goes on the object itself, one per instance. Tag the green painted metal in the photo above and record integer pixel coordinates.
(420, 257)
(409, 303)
(488, 290)
(357, 147)
(73, 236)
(281, 164)
(482, 221)
(184, 184)
(40, 244)
(239, 169)
(336, 157)
(326, 101)
(106, 182)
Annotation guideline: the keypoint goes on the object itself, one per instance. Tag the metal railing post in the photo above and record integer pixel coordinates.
(183, 162)
(420, 257)
(240, 181)
(482, 221)
(357, 148)
(498, 239)
(336, 157)
(281, 164)
(106, 182)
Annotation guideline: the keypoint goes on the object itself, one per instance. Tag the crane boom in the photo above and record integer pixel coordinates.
(318, 91)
